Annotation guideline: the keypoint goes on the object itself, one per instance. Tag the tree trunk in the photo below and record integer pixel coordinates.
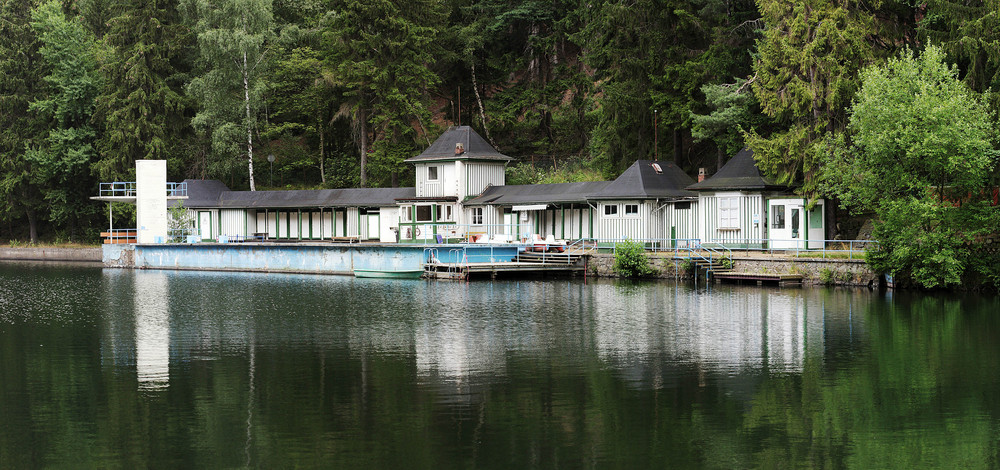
(482, 113)
(832, 230)
(32, 225)
(678, 147)
(246, 102)
(363, 123)
(322, 154)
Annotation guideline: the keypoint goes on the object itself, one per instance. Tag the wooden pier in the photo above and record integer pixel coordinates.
(759, 278)
(526, 262)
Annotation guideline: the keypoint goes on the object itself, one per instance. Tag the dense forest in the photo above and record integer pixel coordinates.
(339, 92)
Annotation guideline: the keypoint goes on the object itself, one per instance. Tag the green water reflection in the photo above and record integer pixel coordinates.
(113, 368)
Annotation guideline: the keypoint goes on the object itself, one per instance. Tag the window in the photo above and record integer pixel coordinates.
(632, 209)
(729, 213)
(682, 205)
(406, 213)
(657, 169)
(611, 209)
(778, 216)
(444, 212)
(477, 216)
(432, 173)
(795, 223)
(424, 214)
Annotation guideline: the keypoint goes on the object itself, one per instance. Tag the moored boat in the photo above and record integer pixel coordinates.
(389, 273)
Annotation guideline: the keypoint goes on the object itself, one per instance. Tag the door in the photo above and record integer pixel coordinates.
(205, 225)
(373, 226)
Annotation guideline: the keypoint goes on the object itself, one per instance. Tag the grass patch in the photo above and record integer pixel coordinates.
(831, 255)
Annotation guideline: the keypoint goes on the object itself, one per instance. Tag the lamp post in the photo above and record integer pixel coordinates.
(270, 160)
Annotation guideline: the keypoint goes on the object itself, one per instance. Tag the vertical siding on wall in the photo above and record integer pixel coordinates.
(617, 227)
(684, 221)
(233, 222)
(353, 230)
(478, 175)
(749, 204)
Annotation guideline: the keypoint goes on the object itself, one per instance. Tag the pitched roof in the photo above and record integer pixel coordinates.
(203, 193)
(538, 193)
(214, 194)
(643, 181)
(740, 173)
(476, 148)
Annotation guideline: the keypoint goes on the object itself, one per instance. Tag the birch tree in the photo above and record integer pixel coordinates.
(233, 38)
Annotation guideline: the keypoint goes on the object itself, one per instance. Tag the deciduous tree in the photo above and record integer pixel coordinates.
(923, 148)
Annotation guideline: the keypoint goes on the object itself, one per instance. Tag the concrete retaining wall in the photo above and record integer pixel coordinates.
(816, 270)
(52, 254)
(298, 257)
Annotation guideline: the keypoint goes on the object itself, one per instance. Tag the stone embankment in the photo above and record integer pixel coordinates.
(84, 254)
(818, 271)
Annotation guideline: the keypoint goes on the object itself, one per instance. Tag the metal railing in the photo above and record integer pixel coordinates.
(829, 248)
(127, 189)
(120, 235)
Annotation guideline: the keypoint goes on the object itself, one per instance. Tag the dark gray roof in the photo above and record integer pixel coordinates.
(203, 193)
(538, 193)
(642, 181)
(476, 148)
(214, 194)
(740, 173)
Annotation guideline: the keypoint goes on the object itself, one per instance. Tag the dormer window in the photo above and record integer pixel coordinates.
(432, 173)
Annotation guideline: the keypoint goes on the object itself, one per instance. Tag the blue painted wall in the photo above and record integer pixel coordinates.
(299, 257)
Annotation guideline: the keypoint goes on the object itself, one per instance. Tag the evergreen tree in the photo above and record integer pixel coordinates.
(141, 108)
(21, 69)
(808, 61)
(381, 53)
(62, 159)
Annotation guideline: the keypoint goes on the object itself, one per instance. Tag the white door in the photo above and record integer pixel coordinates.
(373, 227)
(205, 225)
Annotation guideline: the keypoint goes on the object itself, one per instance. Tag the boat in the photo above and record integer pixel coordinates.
(389, 273)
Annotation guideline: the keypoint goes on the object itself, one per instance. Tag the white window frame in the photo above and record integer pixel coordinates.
(729, 213)
(611, 210)
(477, 216)
(406, 213)
(436, 173)
(626, 213)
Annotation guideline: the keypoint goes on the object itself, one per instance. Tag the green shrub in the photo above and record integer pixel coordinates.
(826, 276)
(631, 259)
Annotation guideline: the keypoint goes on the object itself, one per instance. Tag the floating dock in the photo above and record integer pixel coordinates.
(524, 262)
(759, 278)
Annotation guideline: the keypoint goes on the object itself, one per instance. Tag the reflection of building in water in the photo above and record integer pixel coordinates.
(152, 331)
(457, 348)
(727, 330)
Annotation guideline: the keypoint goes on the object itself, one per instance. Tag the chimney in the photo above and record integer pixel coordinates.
(459, 148)
(701, 175)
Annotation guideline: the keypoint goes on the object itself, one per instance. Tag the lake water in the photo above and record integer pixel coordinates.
(131, 369)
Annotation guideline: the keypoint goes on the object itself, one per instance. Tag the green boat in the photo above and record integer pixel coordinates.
(389, 274)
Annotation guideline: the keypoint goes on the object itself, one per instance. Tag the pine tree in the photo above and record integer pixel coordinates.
(141, 108)
(381, 55)
(806, 73)
(21, 68)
